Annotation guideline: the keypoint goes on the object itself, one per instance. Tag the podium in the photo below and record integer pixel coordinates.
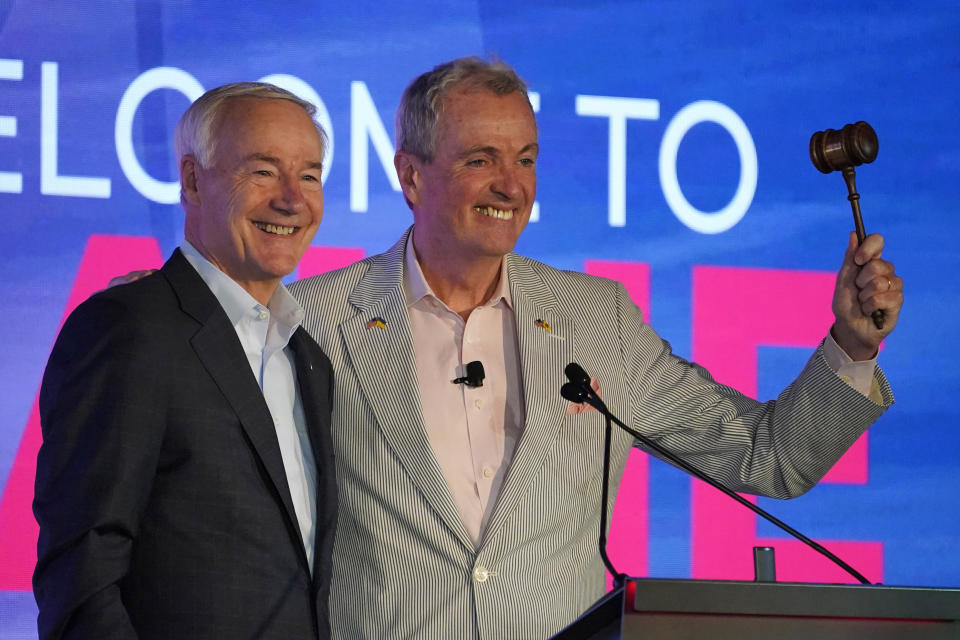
(665, 609)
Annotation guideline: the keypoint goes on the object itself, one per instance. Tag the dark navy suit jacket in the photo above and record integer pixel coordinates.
(163, 505)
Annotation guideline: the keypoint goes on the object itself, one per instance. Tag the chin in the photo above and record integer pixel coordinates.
(277, 269)
(501, 247)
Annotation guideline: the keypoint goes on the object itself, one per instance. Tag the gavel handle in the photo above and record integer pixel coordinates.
(849, 176)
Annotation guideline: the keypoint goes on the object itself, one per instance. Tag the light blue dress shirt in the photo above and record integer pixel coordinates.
(264, 333)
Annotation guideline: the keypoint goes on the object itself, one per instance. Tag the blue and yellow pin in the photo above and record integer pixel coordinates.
(377, 322)
(543, 324)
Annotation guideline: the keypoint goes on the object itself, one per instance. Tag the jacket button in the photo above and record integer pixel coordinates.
(480, 574)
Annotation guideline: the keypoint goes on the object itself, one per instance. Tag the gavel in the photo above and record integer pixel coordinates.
(842, 150)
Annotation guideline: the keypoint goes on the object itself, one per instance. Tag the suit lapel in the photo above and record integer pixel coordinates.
(386, 370)
(315, 396)
(545, 335)
(219, 350)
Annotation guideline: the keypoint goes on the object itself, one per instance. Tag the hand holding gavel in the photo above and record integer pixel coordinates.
(842, 150)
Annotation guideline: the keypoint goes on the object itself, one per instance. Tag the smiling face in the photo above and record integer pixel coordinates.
(471, 203)
(255, 209)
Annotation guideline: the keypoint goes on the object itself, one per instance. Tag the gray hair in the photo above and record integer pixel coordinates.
(194, 132)
(422, 101)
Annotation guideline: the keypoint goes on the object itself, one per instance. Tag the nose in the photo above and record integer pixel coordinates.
(289, 197)
(507, 184)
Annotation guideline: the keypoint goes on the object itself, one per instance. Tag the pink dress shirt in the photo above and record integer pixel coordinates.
(473, 431)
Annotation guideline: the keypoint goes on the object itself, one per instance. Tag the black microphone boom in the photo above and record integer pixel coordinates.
(576, 392)
(585, 393)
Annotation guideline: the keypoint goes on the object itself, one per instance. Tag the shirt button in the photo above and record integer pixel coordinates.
(477, 403)
(262, 315)
(487, 472)
(480, 574)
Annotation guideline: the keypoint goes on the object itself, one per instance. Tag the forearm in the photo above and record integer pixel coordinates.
(779, 448)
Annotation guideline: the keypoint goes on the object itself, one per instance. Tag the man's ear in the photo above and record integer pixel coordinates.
(408, 172)
(189, 188)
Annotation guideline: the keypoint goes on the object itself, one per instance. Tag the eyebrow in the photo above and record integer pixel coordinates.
(533, 146)
(494, 151)
(313, 164)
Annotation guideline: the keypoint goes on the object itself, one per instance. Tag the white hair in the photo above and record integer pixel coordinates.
(194, 132)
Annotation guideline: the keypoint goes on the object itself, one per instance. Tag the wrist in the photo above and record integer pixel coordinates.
(852, 343)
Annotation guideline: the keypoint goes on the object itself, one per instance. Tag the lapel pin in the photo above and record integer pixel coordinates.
(377, 322)
(543, 324)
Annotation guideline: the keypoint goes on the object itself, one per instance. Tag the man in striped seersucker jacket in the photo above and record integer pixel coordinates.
(472, 511)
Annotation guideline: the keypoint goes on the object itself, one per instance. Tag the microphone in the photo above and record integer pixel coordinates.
(576, 375)
(474, 377)
(578, 391)
(574, 393)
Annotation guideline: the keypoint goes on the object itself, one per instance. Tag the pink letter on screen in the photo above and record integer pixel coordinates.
(735, 310)
(322, 259)
(628, 542)
(104, 258)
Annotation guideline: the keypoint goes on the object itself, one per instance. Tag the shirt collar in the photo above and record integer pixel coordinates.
(236, 301)
(416, 287)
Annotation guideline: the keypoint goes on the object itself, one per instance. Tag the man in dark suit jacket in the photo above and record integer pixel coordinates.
(185, 484)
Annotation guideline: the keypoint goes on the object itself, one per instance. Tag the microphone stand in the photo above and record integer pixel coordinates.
(618, 578)
(579, 390)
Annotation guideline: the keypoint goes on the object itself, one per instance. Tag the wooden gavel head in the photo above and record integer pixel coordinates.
(851, 146)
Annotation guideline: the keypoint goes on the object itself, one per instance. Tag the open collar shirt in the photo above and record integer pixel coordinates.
(473, 430)
(264, 333)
